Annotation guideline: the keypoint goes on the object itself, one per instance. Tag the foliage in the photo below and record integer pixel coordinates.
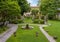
(41, 21)
(9, 10)
(3, 28)
(36, 21)
(58, 3)
(16, 21)
(34, 12)
(25, 6)
(49, 7)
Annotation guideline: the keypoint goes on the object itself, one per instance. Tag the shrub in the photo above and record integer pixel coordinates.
(20, 21)
(41, 21)
(36, 21)
(3, 28)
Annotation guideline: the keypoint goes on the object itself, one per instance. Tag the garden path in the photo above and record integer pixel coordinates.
(14, 27)
(50, 38)
(8, 33)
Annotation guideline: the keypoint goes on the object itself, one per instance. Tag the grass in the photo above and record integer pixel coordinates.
(28, 35)
(54, 29)
(3, 29)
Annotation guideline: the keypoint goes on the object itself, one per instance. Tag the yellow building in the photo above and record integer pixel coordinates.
(34, 7)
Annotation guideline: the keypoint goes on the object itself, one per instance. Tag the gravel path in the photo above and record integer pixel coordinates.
(50, 38)
(8, 33)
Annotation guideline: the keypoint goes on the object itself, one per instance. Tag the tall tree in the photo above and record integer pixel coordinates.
(25, 6)
(9, 10)
(48, 7)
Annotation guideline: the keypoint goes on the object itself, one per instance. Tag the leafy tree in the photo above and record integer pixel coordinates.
(48, 7)
(9, 10)
(24, 6)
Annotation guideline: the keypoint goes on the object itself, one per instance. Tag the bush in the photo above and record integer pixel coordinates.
(36, 21)
(41, 21)
(3, 28)
(20, 21)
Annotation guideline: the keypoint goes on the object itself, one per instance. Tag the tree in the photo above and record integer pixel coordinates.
(9, 10)
(25, 6)
(48, 8)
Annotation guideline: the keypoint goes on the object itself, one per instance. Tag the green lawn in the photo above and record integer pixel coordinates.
(28, 35)
(3, 29)
(54, 29)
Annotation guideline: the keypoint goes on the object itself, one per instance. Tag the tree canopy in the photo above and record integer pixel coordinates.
(9, 10)
(25, 6)
(12, 9)
(49, 7)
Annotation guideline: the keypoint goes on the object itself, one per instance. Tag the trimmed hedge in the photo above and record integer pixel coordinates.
(38, 21)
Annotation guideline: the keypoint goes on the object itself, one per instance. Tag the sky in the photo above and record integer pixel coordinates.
(33, 2)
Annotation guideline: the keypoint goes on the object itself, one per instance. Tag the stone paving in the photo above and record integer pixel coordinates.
(8, 33)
